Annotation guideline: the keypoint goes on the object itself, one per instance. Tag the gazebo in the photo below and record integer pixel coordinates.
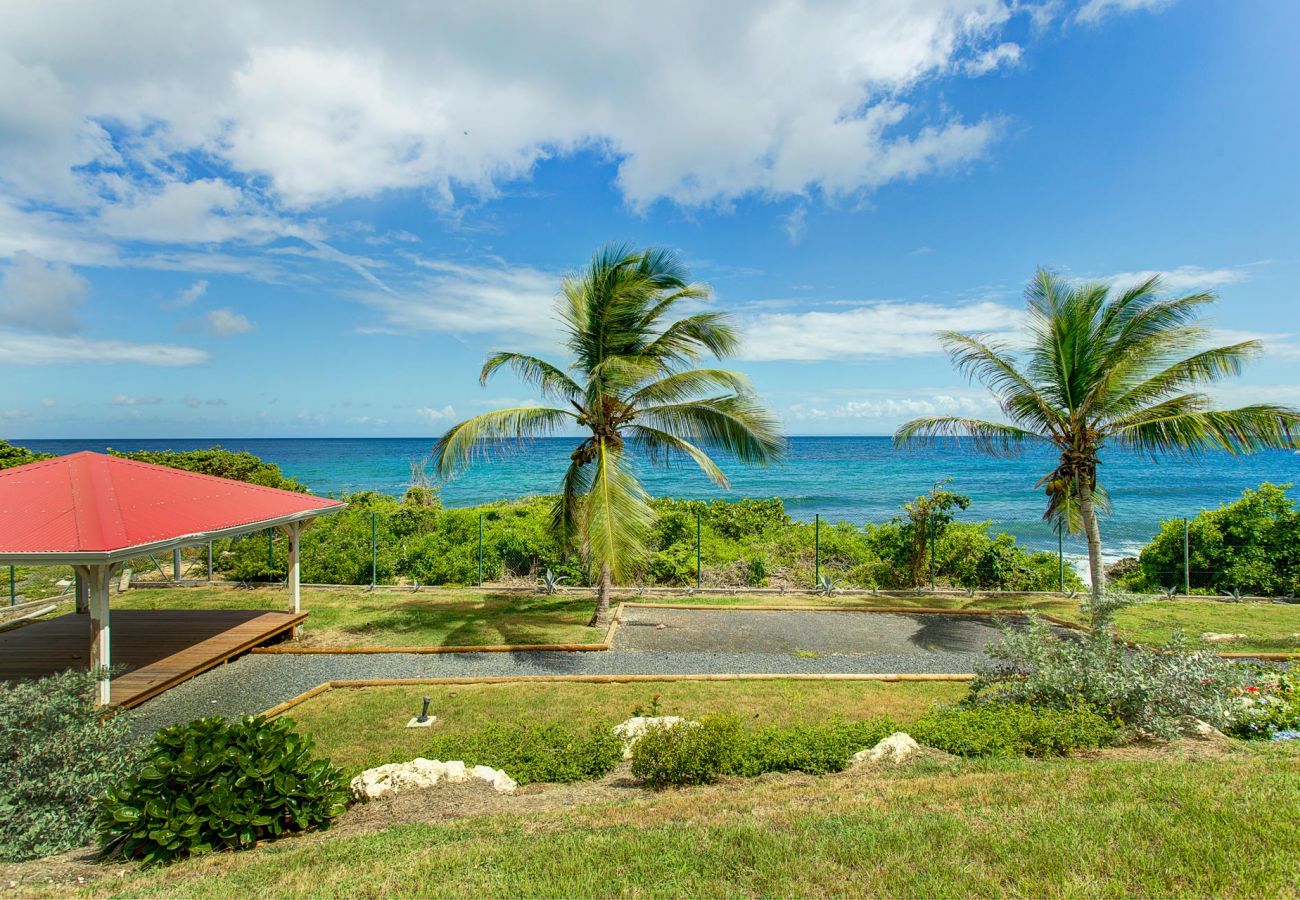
(93, 512)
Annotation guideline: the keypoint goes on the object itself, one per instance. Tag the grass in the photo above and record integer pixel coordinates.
(1112, 827)
(363, 727)
(474, 617)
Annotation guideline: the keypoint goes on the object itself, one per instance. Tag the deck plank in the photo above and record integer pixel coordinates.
(158, 647)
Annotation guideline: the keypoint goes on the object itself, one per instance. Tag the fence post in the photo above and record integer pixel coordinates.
(13, 591)
(270, 551)
(209, 560)
(930, 521)
(1187, 560)
(697, 549)
(374, 551)
(480, 549)
(817, 549)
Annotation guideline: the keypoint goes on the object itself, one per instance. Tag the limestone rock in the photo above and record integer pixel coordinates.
(634, 729)
(419, 774)
(898, 747)
(1199, 730)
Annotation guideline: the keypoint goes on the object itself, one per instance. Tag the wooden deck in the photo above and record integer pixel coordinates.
(158, 647)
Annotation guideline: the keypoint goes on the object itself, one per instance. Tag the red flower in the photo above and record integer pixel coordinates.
(1252, 689)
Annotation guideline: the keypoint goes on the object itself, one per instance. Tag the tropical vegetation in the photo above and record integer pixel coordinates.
(1251, 545)
(632, 381)
(1105, 366)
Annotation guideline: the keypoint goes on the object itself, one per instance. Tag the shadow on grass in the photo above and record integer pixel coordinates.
(496, 619)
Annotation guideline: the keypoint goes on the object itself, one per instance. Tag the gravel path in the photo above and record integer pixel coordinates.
(691, 642)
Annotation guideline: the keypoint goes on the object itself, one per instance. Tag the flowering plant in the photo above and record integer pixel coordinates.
(1268, 705)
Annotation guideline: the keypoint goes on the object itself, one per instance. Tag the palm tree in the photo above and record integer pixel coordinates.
(1101, 367)
(632, 381)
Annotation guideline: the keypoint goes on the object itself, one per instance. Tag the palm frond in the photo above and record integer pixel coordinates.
(567, 517)
(618, 516)
(456, 448)
(687, 339)
(547, 378)
(994, 438)
(660, 446)
(736, 423)
(992, 366)
(689, 384)
(1205, 367)
(1263, 426)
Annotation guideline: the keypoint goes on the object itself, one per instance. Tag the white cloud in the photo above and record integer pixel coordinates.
(991, 60)
(191, 294)
(41, 296)
(226, 323)
(795, 224)
(204, 211)
(1183, 278)
(18, 349)
(127, 400)
(871, 330)
(1095, 11)
(48, 403)
(882, 405)
(1277, 344)
(324, 101)
(437, 416)
(514, 303)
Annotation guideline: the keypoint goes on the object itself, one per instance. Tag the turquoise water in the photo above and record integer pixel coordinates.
(860, 479)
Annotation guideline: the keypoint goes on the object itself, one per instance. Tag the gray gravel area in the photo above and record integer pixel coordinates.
(800, 631)
(691, 642)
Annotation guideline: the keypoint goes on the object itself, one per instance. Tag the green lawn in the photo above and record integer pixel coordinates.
(470, 616)
(334, 718)
(1151, 827)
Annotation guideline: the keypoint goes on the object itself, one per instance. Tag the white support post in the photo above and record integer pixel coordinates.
(294, 533)
(98, 578)
(176, 564)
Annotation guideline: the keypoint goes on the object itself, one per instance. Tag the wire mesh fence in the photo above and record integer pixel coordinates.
(694, 545)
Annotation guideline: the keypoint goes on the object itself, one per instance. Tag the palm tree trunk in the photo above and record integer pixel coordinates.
(1093, 531)
(600, 618)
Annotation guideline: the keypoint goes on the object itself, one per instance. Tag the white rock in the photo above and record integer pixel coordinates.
(1214, 637)
(898, 747)
(635, 728)
(1198, 729)
(421, 773)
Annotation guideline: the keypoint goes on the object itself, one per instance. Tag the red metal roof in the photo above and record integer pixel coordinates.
(87, 504)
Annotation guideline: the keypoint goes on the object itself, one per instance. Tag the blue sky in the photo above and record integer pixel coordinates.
(233, 220)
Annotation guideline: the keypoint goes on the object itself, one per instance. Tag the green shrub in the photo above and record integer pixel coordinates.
(1012, 729)
(811, 748)
(12, 455)
(238, 465)
(56, 759)
(688, 753)
(548, 753)
(1251, 545)
(218, 785)
(1149, 689)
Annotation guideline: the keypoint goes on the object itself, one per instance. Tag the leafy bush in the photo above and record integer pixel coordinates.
(688, 753)
(548, 753)
(1251, 545)
(218, 785)
(56, 758)
(1146, 688)
(235, 464)
(12, 455)
(1012, 729)
(811, 748)
(1268, 704)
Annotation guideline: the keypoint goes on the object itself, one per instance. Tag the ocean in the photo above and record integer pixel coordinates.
(859, 479)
